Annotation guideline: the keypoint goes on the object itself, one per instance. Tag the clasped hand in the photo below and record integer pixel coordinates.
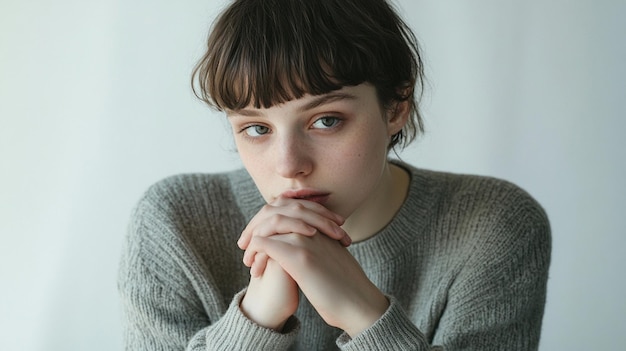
(293, 243)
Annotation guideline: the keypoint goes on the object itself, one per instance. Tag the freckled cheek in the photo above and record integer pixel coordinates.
(257, 165)
(262, 177)
(359, 164)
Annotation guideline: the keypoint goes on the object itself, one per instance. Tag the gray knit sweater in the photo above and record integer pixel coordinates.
(464, 264)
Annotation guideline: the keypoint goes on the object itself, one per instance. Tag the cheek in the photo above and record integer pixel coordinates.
(257, 168)
(372, 149)
(362, 163)
(252, 156)
(365, 149)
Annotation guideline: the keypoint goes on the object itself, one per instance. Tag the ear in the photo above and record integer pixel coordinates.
(397, 116)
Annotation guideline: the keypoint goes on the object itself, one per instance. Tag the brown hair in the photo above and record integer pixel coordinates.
(265, 52)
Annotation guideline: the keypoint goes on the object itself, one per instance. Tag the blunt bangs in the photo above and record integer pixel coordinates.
(265, 52)
(258, 58)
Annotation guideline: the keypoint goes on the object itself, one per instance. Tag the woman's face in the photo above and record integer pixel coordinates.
(329, 148)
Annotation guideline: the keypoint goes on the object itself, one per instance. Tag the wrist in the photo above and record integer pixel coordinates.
(365, 316)
(254, 311)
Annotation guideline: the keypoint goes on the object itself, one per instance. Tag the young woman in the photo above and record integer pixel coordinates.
(347, 249)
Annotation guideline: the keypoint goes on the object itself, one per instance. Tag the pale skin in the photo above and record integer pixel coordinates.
(321, 164)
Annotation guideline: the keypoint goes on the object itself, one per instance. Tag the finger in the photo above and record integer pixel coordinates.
(315, 215)
(244, 240)
(310, 205)
(332, 230)
(294, 226)
(277, 224)
(346, 240)
(273, 247)
(258, 267)
(320, 217)
(248, 257)
(273, 213)
(285, 249)
(276, 218)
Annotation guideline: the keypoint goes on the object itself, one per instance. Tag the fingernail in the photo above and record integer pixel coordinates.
(346, 240)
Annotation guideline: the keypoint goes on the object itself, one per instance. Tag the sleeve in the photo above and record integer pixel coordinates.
(393, 331)
(234, 331)
(162, 307)
(160, 318)
(495, 301)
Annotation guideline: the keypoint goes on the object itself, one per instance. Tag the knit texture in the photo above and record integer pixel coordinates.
(464, 264)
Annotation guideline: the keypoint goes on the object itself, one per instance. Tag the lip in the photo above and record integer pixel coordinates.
(307, 194)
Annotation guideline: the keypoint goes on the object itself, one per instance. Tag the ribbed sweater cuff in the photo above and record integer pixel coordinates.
(234, 331)
(393, 331)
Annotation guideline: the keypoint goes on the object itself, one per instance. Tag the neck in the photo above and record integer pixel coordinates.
(381, 206)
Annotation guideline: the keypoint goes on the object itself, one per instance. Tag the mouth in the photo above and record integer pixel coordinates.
(308, 195)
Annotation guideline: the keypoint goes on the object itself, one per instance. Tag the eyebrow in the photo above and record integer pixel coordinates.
(326, 99)
(316, 102)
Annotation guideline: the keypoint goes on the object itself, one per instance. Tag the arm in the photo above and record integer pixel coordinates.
(171, 302)
(329, 276)
(494, 301)
(158, 317)
(326, 272)
(496, 291)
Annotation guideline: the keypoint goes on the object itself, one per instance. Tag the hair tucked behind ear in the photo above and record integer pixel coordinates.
(265, 52)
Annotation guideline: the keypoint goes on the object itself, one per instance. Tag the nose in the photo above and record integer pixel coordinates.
(293, 157)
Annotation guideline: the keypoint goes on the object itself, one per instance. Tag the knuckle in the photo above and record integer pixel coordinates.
(276, 219)
(268, 207)
(254, 232)
(278, 201)
(297, 206)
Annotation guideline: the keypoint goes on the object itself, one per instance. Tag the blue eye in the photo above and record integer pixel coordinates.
(326, 122)
(256, 130)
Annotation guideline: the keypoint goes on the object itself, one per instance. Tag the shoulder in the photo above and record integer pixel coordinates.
(487, 227)
(182, 209)
(181, 222)
(184, 195)
(456, 185)
(482, 208)
(478, 192)
(183, 188)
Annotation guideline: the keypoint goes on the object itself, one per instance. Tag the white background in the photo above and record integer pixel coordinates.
(95, 106)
